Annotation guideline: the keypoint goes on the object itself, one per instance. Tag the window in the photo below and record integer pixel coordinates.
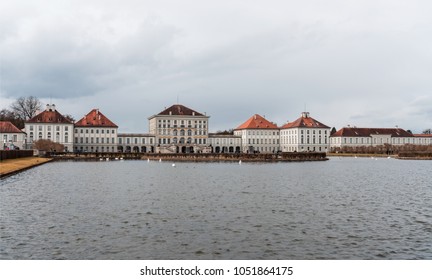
(58, 128)
(31, 128)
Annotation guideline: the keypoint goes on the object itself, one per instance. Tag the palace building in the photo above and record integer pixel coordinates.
(12, 137)
(258, 135)
(95, 133)
(50, 125)
(305, 135)
(356, 137)
(179, 129)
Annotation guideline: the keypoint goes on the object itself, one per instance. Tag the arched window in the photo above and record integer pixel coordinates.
(175, 132)
(175, 140)
(57, 137)
(189, 132)
(49, 135)
(182, 140)
(189, 140)
(182, 132)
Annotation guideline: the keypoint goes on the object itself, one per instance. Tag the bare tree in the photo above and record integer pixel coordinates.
(8, 115)
(427, 131)
(26, 107)
(48, 145)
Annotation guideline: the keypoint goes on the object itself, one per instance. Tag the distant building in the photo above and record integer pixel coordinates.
(136, 143)
(50, 125)
(305, 135)
(423, 139)
(95, 133)
(179, 129)
(370, 137)
(258, 135)
(12, 138)
(225, 143)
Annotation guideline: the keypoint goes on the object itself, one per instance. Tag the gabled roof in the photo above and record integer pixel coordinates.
(180, 110)
(95, 119)
(49, 116)
(8, 127)
(367, 132)
(257, 122)
(305, 121)
(423, 135)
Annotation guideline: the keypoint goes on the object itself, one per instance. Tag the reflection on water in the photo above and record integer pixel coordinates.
(339, 209)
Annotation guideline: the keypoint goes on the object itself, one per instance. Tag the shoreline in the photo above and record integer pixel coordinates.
(283, 157)
(11, 167)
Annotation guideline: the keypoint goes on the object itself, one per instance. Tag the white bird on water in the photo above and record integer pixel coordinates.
(160, 160)
(240, 162)
(148, 160)
(173, 165)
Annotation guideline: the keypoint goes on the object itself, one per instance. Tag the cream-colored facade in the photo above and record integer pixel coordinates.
(50, 125)
(222, 143)
(179, 129)
(12, 138)
(95, 139)
(95, 133)
(354, 137)
(305, 135)
(136, 143)
(259, 140)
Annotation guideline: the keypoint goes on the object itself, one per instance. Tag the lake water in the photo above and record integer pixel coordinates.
(344, 208)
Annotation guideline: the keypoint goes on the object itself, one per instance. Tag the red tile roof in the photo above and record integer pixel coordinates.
(367, 132)
(180, 110)
(423, 135)
(8, 127)
(306, 122)
(49, 116)
(257, 122)
(95, 119)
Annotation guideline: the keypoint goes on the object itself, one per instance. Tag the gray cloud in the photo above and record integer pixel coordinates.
(361, 63)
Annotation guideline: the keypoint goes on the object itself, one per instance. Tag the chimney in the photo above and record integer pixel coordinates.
(193, 113)
(305, 115)
(48, 107)
(53, 107)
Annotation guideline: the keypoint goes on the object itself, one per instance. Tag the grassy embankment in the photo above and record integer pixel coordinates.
(12, 166)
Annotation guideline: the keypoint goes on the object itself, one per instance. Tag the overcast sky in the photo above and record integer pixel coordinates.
(364, 63)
